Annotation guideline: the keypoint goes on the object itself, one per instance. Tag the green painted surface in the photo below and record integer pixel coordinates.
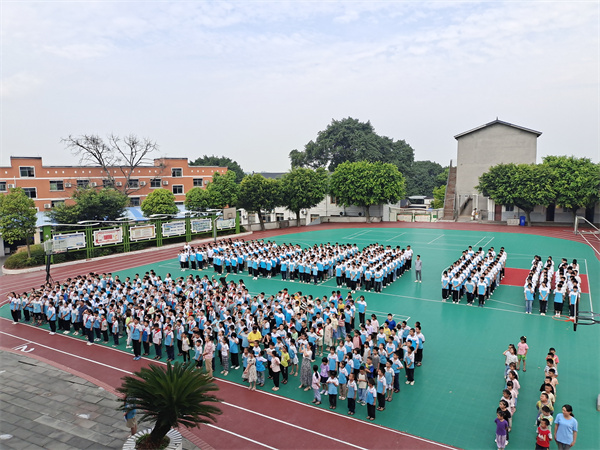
(457, 389)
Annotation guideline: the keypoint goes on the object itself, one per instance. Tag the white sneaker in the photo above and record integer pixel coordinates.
(416, 281)
(51, 333)
(412, 383)
(90, 343)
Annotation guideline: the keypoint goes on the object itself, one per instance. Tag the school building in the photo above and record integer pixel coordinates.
(51, 185)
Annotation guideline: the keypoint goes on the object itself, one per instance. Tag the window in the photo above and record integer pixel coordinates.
(134, 201)
(2, 186)
(30, 192)
(107, 183)
(57, 202)
(279, 217)
(27, 172)
(177, 189)
(332, 200)
(57, 185)
(197, 182)
(83, 183)
(509, 208)
(155, 183)
(133, 183)
(176, 172)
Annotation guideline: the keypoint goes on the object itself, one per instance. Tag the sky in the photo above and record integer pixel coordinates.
(253, 80)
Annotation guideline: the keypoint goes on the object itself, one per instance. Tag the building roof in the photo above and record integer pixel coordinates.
(500, 122)
(273, 175)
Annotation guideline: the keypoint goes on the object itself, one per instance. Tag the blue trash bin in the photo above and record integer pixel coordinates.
(522, 221)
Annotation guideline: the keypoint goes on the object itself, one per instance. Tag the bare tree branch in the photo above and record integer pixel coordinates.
(123, 154)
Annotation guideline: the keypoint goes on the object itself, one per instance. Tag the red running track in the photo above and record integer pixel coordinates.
(250, 419)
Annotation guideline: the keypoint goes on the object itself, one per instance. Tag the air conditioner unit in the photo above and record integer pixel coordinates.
(67, 185)
(47, 205)
(93, 184)
(10, 186)
(118, 183)
(165, 183)
(142, 183)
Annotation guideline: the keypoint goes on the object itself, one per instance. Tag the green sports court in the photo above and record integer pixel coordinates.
(457, 389)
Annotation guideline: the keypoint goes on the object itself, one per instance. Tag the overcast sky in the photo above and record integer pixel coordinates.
(255, 80)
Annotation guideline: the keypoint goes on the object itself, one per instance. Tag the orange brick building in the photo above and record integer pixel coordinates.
(50, 185)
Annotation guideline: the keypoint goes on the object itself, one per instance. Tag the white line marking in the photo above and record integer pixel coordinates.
(294, 426)
(395, 237)
(587, 272)
(431, 242)
(240, 436)
(66, 353)
(477, 243)
(488, 242)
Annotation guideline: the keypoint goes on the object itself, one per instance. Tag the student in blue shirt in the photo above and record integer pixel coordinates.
(332, 389)
(51, 316)
(352, 391)
(371, 396)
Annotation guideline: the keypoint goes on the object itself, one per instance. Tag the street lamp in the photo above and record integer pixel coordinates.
(48, 252)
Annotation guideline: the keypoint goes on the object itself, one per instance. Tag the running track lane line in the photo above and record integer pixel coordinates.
(239, 435)
(225, 403)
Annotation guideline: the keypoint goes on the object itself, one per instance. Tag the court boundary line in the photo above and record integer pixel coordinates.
(431, 242)
(589, 284)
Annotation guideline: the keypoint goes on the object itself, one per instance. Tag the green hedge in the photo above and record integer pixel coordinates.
(20, 259)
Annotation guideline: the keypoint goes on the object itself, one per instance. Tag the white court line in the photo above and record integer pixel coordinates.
(395, 237)
(354, 235)
(294, 426)
(477, 243)
(587, 272)
(488, 242)
(240, 436)
(431, 242)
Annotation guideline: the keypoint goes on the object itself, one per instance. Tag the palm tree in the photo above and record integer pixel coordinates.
(170, 396)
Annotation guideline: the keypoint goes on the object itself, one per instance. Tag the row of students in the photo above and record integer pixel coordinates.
(372, 268)
(475, 274)
(541, 279)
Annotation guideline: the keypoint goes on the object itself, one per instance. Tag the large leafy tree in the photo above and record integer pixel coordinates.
(160, 201)
(258, 194)
(170, 397)
(91, 204)
(439, 194)
(523, 185)
(197, 199)
(576, 181)
(303, 188)
(351, 140)
(221, 161)
(223, 191)
(17, 217)
(113, 153)
(366, 184)
(422, 178)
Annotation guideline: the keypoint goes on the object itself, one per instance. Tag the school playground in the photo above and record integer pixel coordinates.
(457, 389)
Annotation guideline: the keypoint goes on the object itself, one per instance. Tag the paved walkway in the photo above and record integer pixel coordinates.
(46, 408)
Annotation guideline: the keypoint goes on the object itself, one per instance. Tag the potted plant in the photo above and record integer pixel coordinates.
(170, 396)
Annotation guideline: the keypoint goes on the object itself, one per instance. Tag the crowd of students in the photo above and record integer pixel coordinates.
(543, 280)
(203, 319)
(475, 274)
(372, 268)
(565, 426)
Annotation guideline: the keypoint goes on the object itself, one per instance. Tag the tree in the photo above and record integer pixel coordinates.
(439, 195)
(258, 194)
(365, 184)
(351, 140)
(221, 161)
(91, 204)
(422, 178)
(303, 188)
(124, 154)
(160, 201)
(223, 191)
(197, 199)
(576, 181)
(523, 185)
(18, 217)
(170, 396)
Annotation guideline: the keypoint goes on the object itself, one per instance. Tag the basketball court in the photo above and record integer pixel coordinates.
(456, 391)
